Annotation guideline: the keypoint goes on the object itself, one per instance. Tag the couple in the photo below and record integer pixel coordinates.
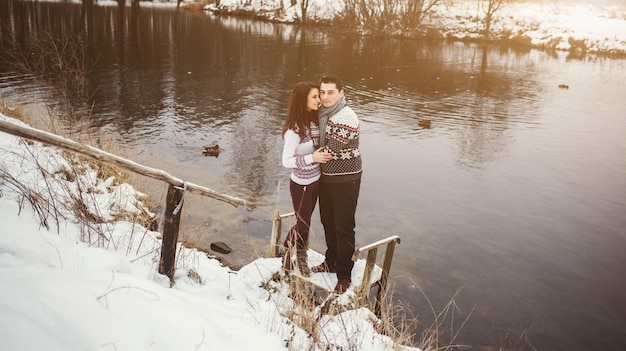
(322, 149)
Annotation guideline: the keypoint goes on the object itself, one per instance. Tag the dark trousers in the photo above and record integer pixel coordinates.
(304, 198)
(337, 210)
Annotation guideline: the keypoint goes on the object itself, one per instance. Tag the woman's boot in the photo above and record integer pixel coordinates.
(303, 263)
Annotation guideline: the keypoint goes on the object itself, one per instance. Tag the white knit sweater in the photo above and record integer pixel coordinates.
(298, 155)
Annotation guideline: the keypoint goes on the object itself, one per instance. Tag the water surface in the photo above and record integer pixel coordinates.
(500, 183)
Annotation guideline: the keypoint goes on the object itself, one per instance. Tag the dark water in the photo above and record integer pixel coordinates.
(515, 193)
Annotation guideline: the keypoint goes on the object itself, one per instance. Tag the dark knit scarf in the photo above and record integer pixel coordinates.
(324, 113)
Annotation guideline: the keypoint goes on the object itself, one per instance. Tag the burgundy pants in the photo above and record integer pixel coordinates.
(304, 198)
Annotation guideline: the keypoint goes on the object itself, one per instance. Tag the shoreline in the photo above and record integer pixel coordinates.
(517, 32)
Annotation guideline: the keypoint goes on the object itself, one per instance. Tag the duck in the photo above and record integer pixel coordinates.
(424, 123)
(211, 150)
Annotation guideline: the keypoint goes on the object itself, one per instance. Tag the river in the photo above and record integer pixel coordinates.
(502, 171)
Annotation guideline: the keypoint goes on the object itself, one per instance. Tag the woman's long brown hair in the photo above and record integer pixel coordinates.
(297, 109)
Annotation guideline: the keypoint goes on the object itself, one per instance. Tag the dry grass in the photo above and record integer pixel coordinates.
(396, 321)
(104, 171)
(60, 66)
(307, 305)
(11, 110)
(197, 6)
(303, 314)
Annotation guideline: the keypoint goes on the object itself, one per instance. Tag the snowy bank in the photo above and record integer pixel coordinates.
(579, 26)
(592, 28)
(72, 285)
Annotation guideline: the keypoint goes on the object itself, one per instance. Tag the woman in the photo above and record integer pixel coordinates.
(303, 155)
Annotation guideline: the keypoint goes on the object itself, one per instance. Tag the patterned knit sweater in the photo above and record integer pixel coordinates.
(298, 155)
(342, 141)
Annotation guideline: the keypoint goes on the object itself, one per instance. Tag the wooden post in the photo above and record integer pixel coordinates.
(171, 224)
(276, 230)
(384, 278)
(277, 227)
(367, 275)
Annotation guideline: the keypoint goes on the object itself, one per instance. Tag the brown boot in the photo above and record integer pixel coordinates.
(303, 263)
(342, 285)
(323, 268)
(302, 260)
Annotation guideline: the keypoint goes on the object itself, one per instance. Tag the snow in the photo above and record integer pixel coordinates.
(600, 25)
(67, 286)
(550, 24)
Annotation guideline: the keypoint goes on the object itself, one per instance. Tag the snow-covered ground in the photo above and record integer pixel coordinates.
(601, 26)
(66, 286)
(549, 24)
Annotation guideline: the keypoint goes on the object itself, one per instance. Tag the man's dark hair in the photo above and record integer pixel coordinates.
(331, 78)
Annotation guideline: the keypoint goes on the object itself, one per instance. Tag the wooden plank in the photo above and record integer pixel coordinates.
(314, 282)
(374, 244)
(369, 269)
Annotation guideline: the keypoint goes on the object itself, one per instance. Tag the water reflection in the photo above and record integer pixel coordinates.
(497, 181)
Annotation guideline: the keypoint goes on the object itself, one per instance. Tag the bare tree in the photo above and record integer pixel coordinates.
(490, 8)
(371, 14)
(381, 15)
(414, 11)
(304, 6)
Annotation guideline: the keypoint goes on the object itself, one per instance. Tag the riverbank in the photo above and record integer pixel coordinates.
(568, 25)
(581, 28)
(79, 273)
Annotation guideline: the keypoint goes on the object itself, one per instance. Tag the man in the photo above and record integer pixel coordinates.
(340, 181)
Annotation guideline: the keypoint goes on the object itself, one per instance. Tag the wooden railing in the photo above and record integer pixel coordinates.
(362, 292)
(277, 227)
(372, 254)
(175, 191)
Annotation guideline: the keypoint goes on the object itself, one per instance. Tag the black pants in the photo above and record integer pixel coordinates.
(337, 210)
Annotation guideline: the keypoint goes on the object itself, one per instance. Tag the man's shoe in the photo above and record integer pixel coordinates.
(323, 268)
(342, 285)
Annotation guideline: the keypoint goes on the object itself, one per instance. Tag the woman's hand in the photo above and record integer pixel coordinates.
(319, 156)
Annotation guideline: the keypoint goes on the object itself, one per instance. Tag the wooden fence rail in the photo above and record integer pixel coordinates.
(362, 292)
(175, 192)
